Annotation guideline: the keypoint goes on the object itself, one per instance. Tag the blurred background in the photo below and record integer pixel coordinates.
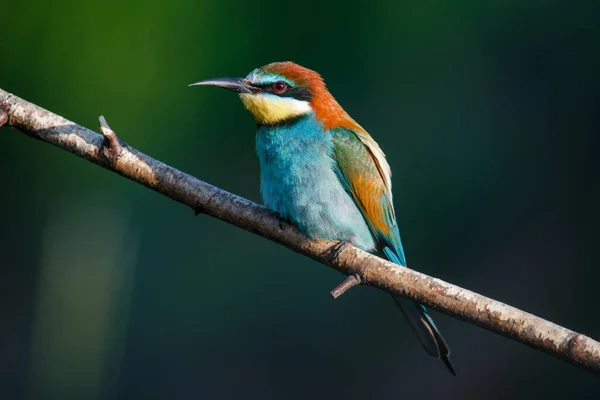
(487, 111)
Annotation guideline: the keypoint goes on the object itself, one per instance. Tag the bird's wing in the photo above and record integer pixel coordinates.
(363, 171)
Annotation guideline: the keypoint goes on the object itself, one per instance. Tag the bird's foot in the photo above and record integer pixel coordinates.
(280, 220)
(334, 251)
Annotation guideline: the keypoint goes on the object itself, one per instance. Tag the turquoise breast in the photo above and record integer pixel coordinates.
(298, 181)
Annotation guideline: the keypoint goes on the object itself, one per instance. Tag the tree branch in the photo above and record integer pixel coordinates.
(110, 153)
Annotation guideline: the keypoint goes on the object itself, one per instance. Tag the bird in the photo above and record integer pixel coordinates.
(322, 171)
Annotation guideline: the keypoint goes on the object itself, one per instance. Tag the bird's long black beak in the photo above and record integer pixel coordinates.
(238, 85)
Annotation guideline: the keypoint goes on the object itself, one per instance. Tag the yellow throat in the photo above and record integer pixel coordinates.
(269, 109)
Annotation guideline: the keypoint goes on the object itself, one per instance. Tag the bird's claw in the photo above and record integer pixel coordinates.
(337, 249)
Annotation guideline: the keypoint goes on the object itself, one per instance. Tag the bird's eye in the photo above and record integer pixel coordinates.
(279, 87)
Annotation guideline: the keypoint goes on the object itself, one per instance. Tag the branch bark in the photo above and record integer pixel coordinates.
(109, 152)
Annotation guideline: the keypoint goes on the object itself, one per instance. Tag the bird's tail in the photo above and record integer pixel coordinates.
(422, 324)
(424, 327)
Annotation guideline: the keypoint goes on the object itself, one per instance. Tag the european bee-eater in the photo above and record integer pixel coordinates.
(323, 172)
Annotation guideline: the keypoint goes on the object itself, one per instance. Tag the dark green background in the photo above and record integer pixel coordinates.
(487, 111)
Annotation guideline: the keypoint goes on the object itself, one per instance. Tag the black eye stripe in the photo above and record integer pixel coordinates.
(270, 87)
(265, 86)
(298, 93)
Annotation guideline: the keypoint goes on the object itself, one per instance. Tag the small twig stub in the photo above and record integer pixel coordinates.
(111, 146)
(348, 283)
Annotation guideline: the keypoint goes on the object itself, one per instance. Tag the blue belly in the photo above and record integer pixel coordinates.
(299, 182)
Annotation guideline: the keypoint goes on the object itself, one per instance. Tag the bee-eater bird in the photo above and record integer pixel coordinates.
(323, 172)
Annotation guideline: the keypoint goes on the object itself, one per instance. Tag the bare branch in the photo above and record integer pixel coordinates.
(468, 306)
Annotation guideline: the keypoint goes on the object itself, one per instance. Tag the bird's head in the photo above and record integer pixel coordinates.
(282, 91)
